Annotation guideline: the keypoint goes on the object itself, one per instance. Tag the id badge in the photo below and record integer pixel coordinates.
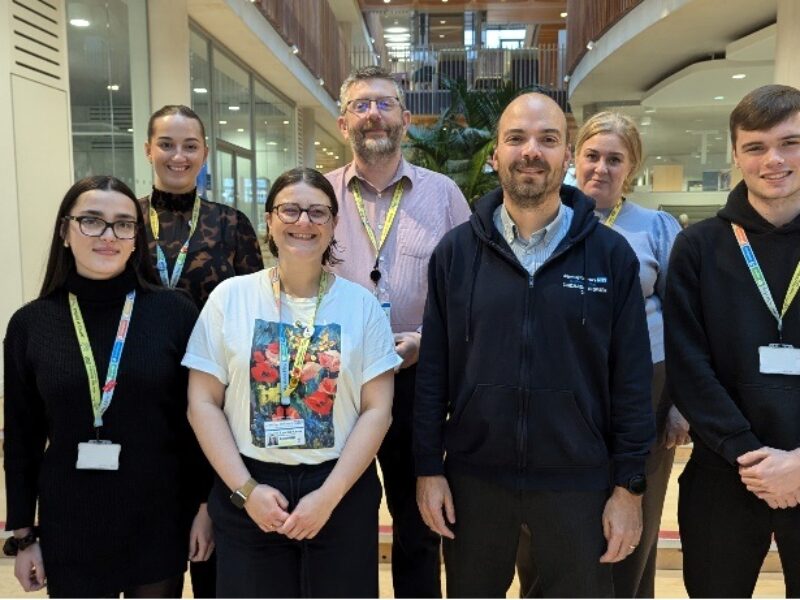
(387, 310)
(779, 359)
(284, 433)
(99, 455)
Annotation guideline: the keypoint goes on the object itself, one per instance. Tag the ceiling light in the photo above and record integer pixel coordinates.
(445, 1)
(563, 15)
(295, 49)
(646, 121)
(240, 130)
(336, 157)
(590, 45)
(113, 87)
(316, 143)
(272, 143)
(130, 130)
(321, 81)
(286, 122)
(738, 76)
(285, 149)
(223, 122)
(650, 111)
(396, 30)
(719, 97)
(658, 158)
(386, 1)
(233, 107)
(79, 22)
(200, 90)
(442, 22)
(441, 35)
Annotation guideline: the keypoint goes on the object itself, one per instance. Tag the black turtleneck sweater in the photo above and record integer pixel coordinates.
(102, 530)
(714, 322)
(223, 245)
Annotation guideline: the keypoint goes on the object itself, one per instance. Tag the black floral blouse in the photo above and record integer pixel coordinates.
(224, 243)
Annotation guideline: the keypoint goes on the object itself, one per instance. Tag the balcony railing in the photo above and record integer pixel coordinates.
(588, 21)
(313, 29)
(422, 72)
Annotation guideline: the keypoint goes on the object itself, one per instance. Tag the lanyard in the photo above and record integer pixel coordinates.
(387, 224)
(101, 404)
(287, 389)
(161, 259)
(761, 282)
(612, 216)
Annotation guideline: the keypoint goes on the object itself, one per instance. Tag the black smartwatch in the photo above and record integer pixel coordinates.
(637, 485)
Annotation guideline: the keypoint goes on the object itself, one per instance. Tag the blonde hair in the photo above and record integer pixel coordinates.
(624, 128)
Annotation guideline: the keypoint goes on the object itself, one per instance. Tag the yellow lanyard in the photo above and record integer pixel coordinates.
(161, 259)
(100, 403)
(290, 380)
(612, 216)
(387, 224)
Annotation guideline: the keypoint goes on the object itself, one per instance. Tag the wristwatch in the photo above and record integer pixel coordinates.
(240, 496)
(637, 485)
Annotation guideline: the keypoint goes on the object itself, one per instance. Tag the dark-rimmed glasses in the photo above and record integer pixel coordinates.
(289, 213)
(361, 106)
(96, 227)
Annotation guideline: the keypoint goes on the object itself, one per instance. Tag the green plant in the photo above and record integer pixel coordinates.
(460, 142)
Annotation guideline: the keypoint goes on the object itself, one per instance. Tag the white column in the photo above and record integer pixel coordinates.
(168, 29)
(787, 43)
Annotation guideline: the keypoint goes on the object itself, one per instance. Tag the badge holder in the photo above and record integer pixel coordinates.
(779, 359)
(100, 455)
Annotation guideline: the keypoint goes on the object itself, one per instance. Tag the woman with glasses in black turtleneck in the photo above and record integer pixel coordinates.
(194, 243)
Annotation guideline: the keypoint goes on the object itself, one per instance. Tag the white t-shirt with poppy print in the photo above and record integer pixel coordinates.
(237, 340)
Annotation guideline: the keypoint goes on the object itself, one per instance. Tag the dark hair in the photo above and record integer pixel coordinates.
(363, 74)
(315, 179)
(61, 261)
(174, 109)
(764, 108)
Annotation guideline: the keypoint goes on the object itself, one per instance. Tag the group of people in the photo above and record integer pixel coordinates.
(521, 372)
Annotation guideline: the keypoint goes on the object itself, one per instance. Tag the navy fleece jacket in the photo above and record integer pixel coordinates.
(535, 382)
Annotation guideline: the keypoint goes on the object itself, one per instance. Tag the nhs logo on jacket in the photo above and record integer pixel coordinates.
(598, 284)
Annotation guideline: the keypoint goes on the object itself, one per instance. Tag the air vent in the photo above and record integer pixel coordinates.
(38, 44)
(120, 116)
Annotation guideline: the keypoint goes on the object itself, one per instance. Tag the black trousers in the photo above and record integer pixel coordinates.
(566, 540)
(416, 566)
(168, 588)
(635, 576)
(726, 533)
(204, 577)
(340, 562)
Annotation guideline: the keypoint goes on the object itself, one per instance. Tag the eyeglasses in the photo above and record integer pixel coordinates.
(361, 106)
(289, 213)
(96, 227)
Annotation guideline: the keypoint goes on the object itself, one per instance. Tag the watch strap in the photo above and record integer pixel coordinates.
(240, 496)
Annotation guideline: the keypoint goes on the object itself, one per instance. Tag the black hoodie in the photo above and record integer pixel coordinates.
(536, 382)
(715, 320)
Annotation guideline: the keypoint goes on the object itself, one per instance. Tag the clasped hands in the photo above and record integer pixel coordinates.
(773, 475)
(267, 507)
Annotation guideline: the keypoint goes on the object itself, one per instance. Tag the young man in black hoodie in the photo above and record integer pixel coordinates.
(533, 379)
(732, 358)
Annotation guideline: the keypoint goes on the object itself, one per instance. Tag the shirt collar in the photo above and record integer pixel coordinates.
(544, 235)
(404, 171)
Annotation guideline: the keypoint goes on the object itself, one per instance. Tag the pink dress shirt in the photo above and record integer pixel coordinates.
(432, 204)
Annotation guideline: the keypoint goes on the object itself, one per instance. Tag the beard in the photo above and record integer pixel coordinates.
(372, 150)
(529, 194)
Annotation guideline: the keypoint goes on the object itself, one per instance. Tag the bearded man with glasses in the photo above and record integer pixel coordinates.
(392, 215)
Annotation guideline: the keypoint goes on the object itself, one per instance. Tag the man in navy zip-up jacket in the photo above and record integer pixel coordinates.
(533, 386)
